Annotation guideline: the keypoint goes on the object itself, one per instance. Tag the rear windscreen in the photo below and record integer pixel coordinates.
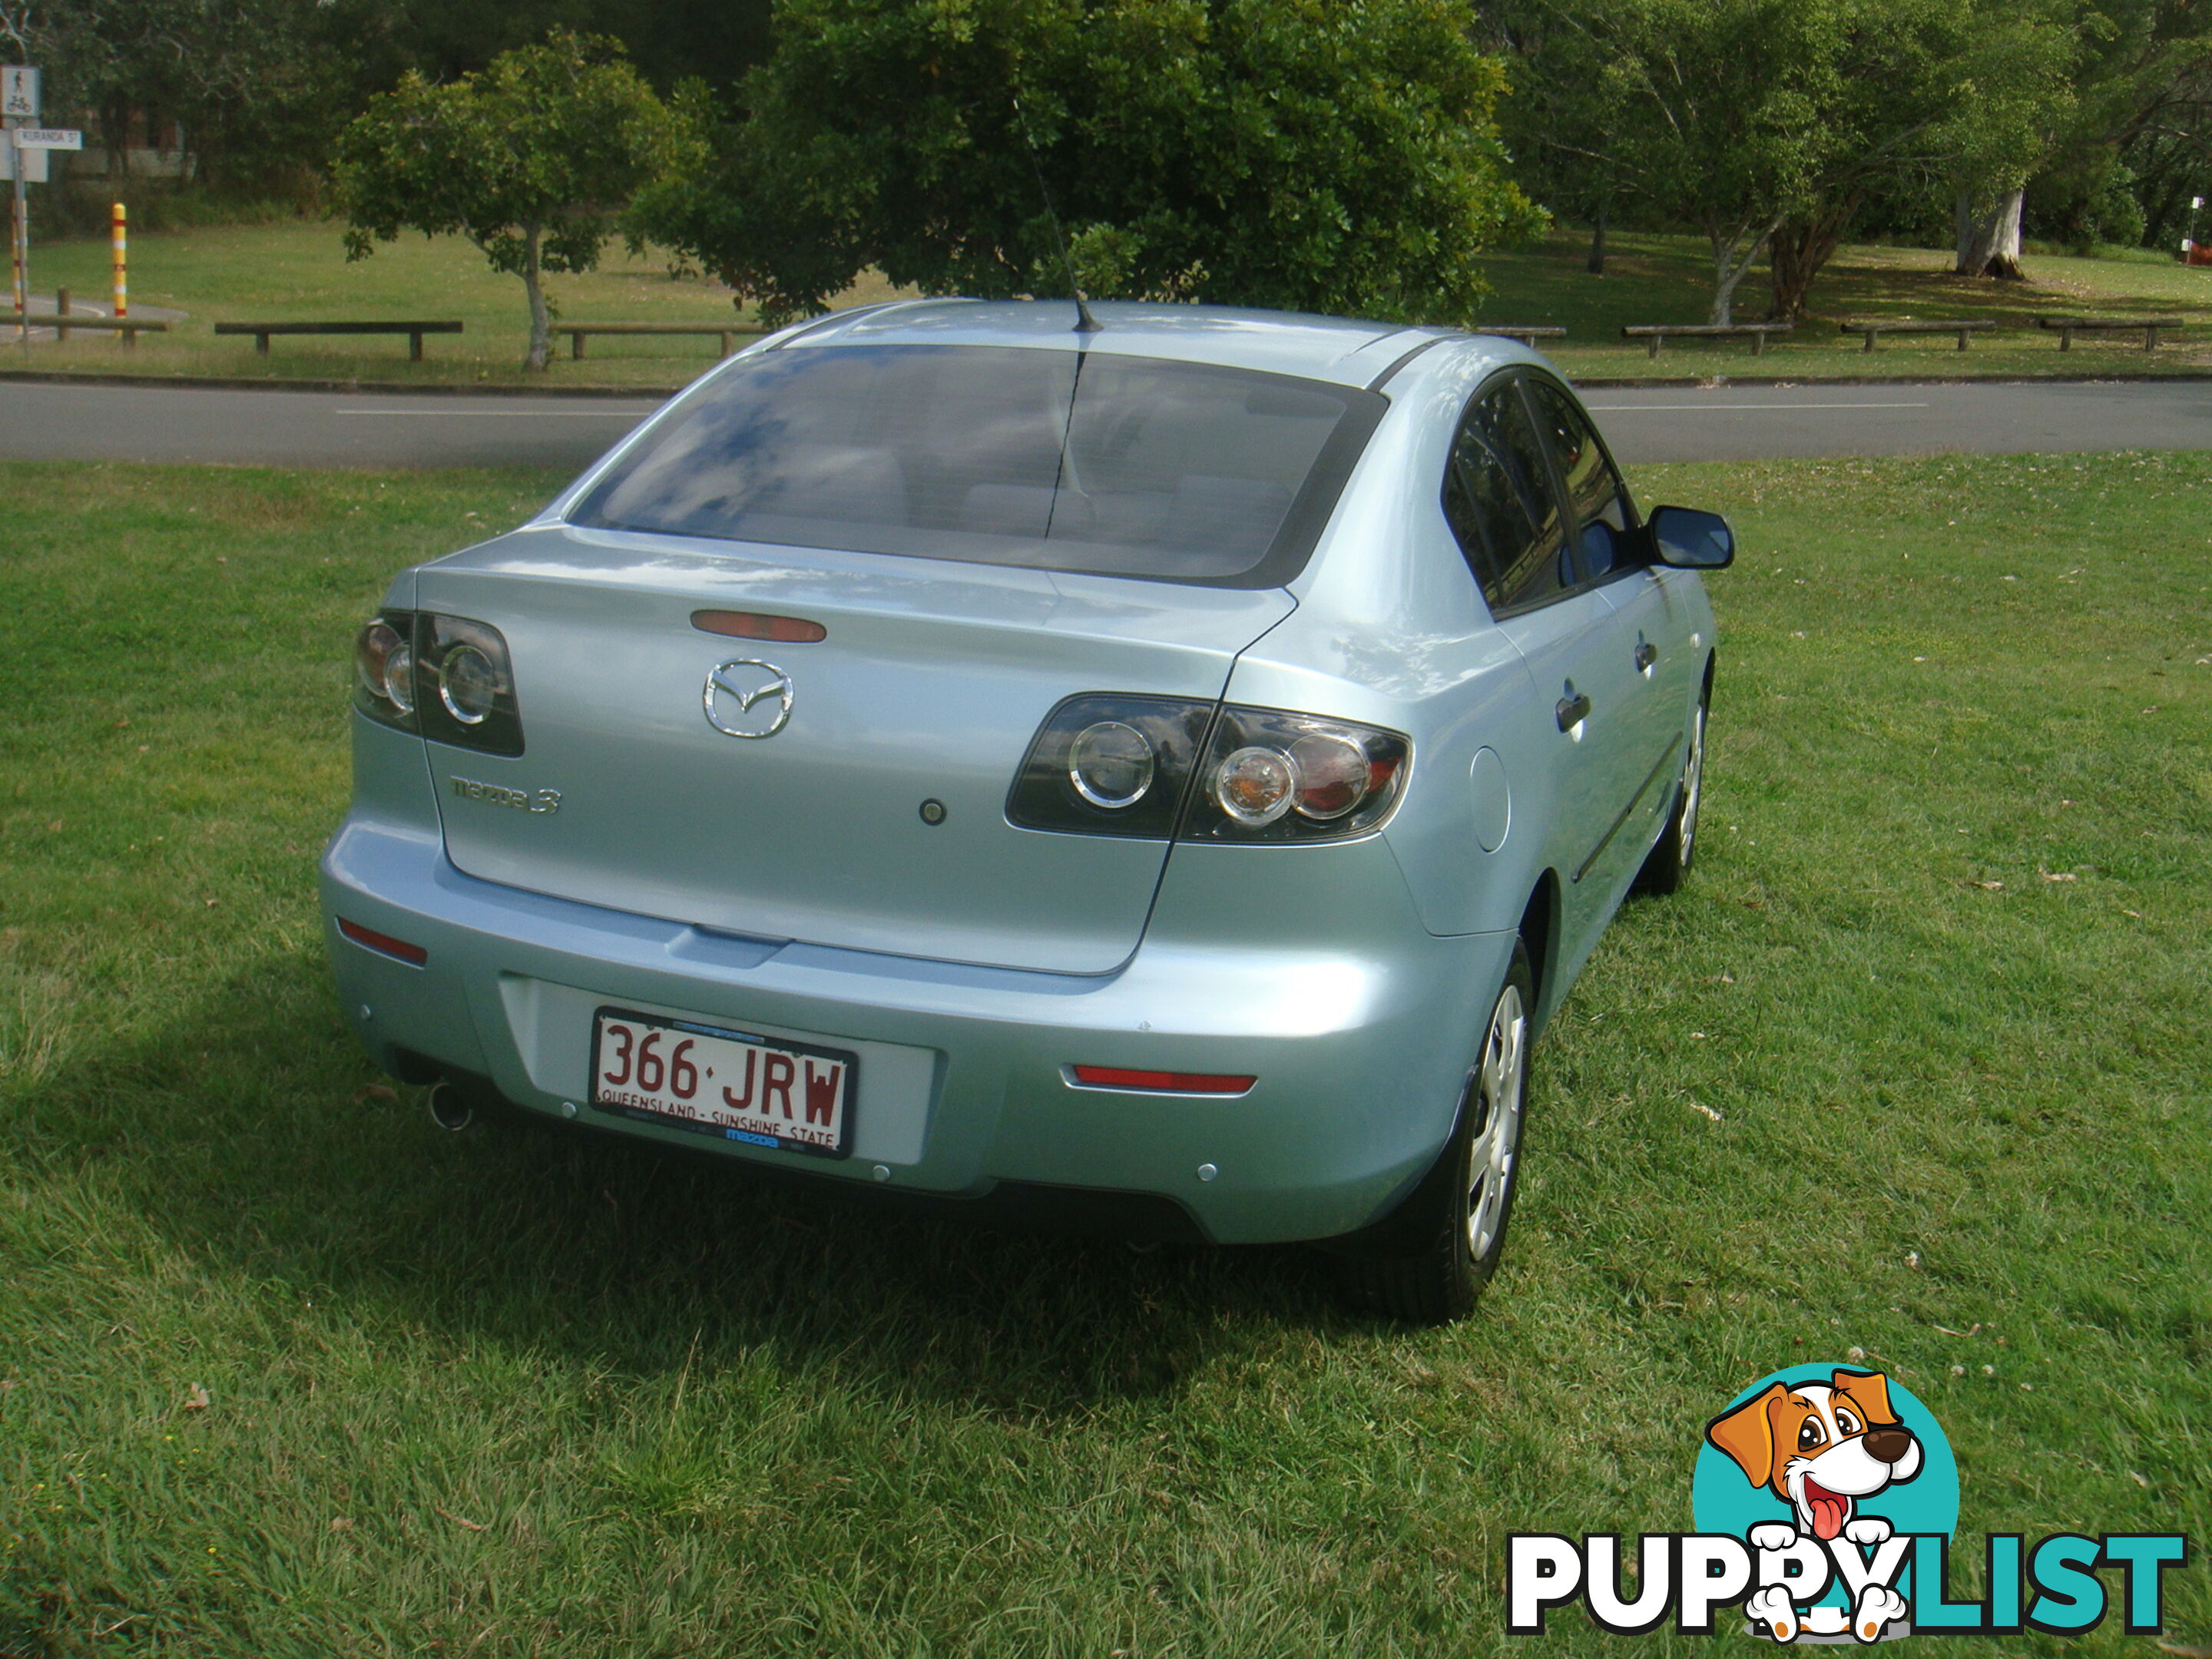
(1049, 459)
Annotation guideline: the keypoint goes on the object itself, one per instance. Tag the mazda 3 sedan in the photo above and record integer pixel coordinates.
(1156, 772)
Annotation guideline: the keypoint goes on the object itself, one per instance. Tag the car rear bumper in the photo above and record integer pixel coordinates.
(1358, 1048)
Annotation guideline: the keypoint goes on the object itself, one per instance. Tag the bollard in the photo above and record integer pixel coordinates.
(116, 241)
(61, 315)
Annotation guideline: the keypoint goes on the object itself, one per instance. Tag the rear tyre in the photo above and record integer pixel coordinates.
(1447, 1236)
(1668, 865)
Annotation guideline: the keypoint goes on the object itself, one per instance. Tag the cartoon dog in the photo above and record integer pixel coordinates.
(1821, 1447)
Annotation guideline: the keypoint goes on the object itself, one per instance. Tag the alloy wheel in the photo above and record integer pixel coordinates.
(1694, 782)
(1501, 1080)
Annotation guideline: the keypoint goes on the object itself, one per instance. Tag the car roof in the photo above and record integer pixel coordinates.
(1344, 350)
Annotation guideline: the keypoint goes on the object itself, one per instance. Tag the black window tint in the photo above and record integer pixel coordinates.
(1003, 455)
(1594, 488)
(1498, 499)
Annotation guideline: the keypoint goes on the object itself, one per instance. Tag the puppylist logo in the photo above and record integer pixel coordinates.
(1824, 1499)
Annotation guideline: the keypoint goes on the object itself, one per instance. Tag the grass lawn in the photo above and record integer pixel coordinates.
(1667, 279)
(1923, 1050)
(299, 272)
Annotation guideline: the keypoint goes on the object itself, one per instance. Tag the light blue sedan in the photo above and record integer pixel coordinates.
(1155, 777)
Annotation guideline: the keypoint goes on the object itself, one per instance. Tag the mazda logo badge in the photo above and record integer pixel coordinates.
(736, 696)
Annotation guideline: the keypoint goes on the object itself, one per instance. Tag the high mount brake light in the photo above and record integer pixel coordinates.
(1110, 764)
(755, 625)
(448, 677)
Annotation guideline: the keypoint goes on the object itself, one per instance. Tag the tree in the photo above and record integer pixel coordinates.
(1715, 114)
(1559, 121)
(532, 160)
(668, 41)
(2167, 149)
(1768, 125)
(2139, 148)
(2015, 98)
(1284, 153)
(1935, 96)
(246, 79)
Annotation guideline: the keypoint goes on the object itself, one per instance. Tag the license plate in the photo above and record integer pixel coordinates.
(761, 1091)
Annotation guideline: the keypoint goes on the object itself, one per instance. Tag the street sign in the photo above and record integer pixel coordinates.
(49, 138)
(34, 161)
(18, 92)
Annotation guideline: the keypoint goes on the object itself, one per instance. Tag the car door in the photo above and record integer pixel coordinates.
(1501, 500)
(1658, 661)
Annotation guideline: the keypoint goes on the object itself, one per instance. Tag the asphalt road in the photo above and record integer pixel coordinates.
(47, 422)
(1744, 423)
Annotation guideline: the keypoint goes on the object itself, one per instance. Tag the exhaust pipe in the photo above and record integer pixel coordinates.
(449, 1109)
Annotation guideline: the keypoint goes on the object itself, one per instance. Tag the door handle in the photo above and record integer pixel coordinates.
(1646, 654)
(1573, 710)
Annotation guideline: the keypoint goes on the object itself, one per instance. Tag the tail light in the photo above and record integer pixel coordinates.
(1107, 765)
(1160, 768)
(448, 677)
(384, 669)
(1271, 775)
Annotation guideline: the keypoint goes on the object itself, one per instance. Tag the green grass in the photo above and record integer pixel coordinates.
(1882, 1073)
(298, 270)
(1667, 279)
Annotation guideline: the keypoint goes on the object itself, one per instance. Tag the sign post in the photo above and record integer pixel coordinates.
(19, 242)
(19, 103)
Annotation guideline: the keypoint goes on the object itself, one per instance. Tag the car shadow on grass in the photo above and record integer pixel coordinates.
(249, 1132)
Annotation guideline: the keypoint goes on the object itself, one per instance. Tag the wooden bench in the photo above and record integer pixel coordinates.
(129, 327)
(414, 331)
(2151, 327)
(1528, 335)
(578, 333)
(1657, 333)
(1874, 328)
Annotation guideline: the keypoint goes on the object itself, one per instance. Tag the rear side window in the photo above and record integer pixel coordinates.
(1050, 460)
(1498, 499)
(1595, 492)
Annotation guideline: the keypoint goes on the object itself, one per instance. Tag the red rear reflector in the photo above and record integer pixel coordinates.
(1178, 1083)
(383, 943)
(751, 625)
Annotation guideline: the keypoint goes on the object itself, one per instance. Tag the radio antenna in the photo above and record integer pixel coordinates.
(1085, 322)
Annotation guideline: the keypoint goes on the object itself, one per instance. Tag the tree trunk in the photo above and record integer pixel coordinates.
(1728, 267)
(1797, 251)
(1989, 239)
(115, 129)
(541, 323)
(1597, 244)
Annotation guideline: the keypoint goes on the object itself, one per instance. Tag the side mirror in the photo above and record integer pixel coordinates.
(1691, 540)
